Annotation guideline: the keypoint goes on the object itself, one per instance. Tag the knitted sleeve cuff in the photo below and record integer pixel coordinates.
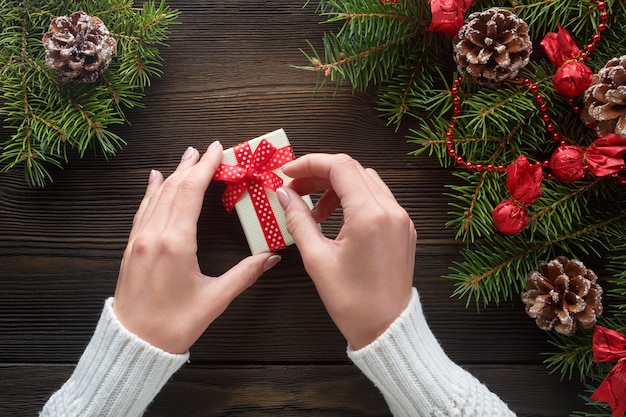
(417, 378)
(118, 374)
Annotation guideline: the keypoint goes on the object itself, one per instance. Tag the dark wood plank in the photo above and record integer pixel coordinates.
(52, 304)
(291, 390)
(228, 76)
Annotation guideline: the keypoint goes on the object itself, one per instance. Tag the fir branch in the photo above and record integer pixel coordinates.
(410, 87)
(349, 17)
(495, 126)
(48, 117)
(496, 268)
(465, 221)
(574, 353)
(369, 43)
(534, 219)
(333, 70)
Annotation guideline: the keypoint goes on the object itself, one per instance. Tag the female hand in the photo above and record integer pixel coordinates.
(364, 276)
(161, 295)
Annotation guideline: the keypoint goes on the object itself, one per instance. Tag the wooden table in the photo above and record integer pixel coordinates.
(275, 351)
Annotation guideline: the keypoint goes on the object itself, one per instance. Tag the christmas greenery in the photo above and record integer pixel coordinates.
(47, 118)
(388, 44)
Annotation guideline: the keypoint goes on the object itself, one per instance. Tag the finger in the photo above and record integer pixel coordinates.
(187, 205)
(300, 222)
(345, 175)
(157, 212)
(379, 181)
(326, 205)
(304, 186)
(328, 202)
(240, 277)
(187, 161)
(309, 185)
(154, 182)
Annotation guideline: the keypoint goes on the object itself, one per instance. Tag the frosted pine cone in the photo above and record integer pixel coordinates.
(605, 99)
(78, 47)
(563, 295)
(492, 46)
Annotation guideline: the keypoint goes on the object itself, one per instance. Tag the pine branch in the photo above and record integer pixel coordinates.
(475, 202)
(49, 117)
(369, 43)
(411, 87)
(494, 126)
(497, 268)
(574, 354)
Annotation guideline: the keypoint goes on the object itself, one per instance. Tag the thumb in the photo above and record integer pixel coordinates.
(300, 222)
(241, 276)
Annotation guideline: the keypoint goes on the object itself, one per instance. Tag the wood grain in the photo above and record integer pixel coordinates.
(289, 389)
(228, 76)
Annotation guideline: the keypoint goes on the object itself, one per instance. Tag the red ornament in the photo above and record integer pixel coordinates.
(572, 79)
(448, 15)
(572, 76)
(509, 217)
(523, 180)
(566, 163)
(609, 345)
(603, 157)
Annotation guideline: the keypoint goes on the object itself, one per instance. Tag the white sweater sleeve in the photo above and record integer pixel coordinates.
(417, 378)
(119, 374)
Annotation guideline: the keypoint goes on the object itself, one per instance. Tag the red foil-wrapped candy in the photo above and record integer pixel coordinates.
(523, 180)
(572, 76)
(448, 15)
(572, 79)
(566, 163)
(604, 156)
(510, 218)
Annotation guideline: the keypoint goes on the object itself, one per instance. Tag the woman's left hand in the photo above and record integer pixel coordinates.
(161, 295)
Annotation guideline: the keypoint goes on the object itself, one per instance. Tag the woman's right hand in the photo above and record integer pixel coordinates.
(364, 276)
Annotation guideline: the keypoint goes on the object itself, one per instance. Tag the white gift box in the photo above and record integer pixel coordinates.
(257, 234)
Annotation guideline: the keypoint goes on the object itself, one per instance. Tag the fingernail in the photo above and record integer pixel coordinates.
(283, 198)
(213, 146)
(271, 262)
(188, 153)
(286, 165)
(152, 177)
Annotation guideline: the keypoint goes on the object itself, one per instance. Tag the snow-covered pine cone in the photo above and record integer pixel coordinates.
(563, 295)
(78, 47)
(605, 99)
(492, 46)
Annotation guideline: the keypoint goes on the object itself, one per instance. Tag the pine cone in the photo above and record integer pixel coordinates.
(78, 47)
(563, 295)
(492, 46)
(605, 99)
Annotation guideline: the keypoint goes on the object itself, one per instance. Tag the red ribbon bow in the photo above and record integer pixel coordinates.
(603, 157)
(572, 76)
(609, 345)
(523, 180)
(254, 173)
(448, 15)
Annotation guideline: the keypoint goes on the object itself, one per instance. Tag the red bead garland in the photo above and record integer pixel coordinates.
(456, 110)
(539, 101)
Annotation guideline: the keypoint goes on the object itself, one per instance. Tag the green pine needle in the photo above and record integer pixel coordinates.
(389, 45)
(46, 117)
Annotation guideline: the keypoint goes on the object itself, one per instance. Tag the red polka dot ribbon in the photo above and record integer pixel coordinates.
(254, 173)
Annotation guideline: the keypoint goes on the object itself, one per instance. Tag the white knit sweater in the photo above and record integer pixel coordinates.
(417, 378)
(119, 374)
